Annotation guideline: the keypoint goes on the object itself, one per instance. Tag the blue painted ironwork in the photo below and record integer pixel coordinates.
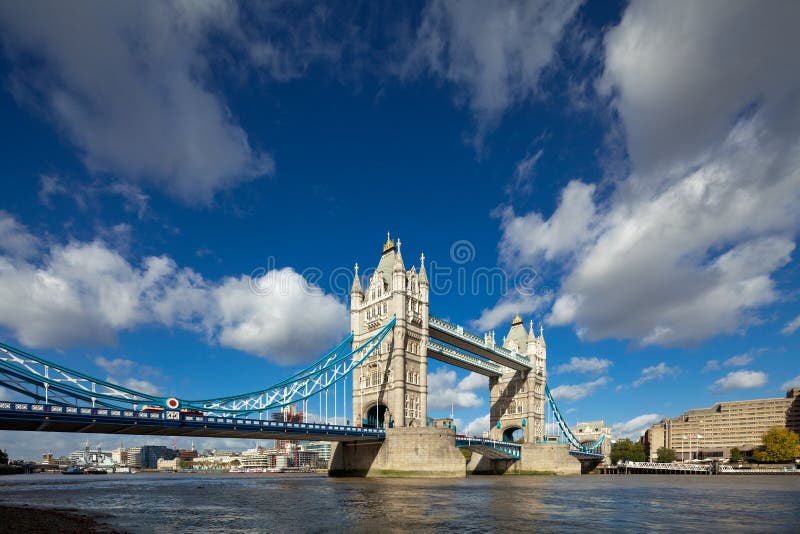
(490, 448)
(50, 383)
(36, 416)
(579, 448)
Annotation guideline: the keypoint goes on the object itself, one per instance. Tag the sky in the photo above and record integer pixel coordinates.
(188, 185)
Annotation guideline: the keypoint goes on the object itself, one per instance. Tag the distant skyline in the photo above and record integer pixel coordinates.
(624, 175)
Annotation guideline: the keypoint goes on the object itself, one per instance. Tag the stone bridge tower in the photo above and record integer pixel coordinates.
(390, 388)
(517, 397)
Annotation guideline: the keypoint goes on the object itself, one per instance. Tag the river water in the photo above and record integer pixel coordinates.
(314, 503)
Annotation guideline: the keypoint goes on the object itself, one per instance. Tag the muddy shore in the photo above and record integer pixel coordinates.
(18, 519)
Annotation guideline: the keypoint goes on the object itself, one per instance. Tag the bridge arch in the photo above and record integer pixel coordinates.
(377, 416)
(513, 433)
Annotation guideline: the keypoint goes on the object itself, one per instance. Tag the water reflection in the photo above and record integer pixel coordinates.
(308, 503)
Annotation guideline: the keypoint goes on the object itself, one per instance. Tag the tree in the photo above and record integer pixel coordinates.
(3, 457)
(779, 445)
(665, 455)
(235, 463)
(736, 455)
(626, 450)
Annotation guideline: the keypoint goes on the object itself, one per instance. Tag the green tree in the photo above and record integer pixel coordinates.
(665, 455)
(3, 457)
(626, 450)
(235, 463)
(779, 445)
(736, 455)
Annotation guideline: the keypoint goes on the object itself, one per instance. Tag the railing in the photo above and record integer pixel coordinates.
(464, 357)
(673, 467)
(459, 332)
(171, 418)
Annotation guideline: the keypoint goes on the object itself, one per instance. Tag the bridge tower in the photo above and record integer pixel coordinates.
(390, 388)
(517, 397)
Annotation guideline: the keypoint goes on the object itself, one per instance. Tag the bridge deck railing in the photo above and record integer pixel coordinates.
(172, 417)
(459, 332)
(464, 357)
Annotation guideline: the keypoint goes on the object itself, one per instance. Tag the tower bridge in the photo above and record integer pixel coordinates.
(384, 361)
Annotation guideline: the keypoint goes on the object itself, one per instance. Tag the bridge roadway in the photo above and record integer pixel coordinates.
(460, 338)
(52, 418)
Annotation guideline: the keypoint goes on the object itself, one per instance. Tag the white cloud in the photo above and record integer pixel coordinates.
(473, 382)
(685, 246)
(656, 372)
(792, 383)
(740, 380)
(791, 326)
(444, 393)
(492, 53)
(130, 374)
(132, 88)
(573, 392)
(477, 426)
(15, 239)
(635, 427)
(711, 365)
(591, 365)
(509, 306)
(85, 293)
(524, 172)
(528, 239)
(663, 66)
(739, 360)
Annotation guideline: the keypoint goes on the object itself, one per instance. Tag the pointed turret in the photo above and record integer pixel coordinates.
(356, 282)
(423, 274)
(541, 335)
(398, 259)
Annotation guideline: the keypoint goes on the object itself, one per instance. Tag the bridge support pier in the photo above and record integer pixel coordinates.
(406, 452)
(536, 458)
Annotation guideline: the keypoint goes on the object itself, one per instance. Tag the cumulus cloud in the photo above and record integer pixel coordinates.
(493, 54)
(132, 87)
(85, 293)
(740, 380)
(443, 392)
(573, 392)
(739, 360)
(591, 365)
(477, 426)
(791, 326)
(792, 383)
(511, 305)
(683, 247)
(635, 427)
(711, 365)
(15, 238)
(656, 372)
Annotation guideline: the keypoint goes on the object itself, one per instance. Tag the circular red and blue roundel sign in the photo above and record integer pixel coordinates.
(172, 403)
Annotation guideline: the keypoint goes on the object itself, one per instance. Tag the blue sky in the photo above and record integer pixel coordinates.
(633, 169)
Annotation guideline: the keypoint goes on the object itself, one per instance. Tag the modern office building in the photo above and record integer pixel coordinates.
(712, 432)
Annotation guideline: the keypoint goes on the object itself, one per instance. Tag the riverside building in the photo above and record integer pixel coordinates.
(712, 432)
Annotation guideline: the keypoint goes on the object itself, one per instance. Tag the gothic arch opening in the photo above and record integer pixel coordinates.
(377, 417)
(513, 434)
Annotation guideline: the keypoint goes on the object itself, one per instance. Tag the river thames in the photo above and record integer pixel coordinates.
(313, 503)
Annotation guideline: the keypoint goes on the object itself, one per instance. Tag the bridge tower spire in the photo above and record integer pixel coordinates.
(390, 387)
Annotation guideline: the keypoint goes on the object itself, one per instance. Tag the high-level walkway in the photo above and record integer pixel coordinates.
(460, 338)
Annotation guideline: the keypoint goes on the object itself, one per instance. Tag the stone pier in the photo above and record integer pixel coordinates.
(406, 452)
(537, 458)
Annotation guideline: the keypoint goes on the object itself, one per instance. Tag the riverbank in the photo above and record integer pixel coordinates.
(16, 519)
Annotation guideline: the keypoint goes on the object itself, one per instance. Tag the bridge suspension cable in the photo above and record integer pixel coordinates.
(566, 432)
(46, 381)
